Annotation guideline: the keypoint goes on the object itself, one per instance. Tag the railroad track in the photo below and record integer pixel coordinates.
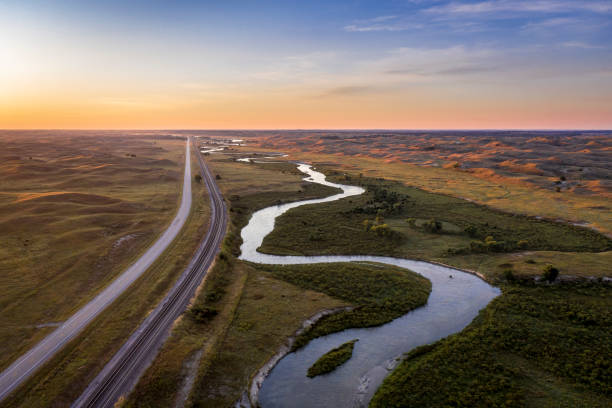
(122, 372)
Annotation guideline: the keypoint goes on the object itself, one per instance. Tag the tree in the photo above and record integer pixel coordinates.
(218, 177)
(433, 225)
(509, 275)
(471, 231)
(198, 178)
(380, 230)
(550, 273)
(366, 225)
(522, 244)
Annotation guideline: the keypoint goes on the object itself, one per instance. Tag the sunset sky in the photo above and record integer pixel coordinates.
(409, 64)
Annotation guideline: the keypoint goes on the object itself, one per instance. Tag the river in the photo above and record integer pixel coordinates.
(455, 299)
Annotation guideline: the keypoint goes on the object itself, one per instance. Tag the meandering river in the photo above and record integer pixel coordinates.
(452, 305)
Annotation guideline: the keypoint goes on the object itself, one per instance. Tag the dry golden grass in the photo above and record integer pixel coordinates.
(75, 210)
(62, 380)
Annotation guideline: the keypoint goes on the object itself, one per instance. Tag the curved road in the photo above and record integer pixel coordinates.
(28, 363)
(122, 372)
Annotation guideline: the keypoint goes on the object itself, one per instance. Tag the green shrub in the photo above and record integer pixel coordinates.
(202, 314)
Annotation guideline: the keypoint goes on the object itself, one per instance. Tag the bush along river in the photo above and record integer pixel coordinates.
(455, 300)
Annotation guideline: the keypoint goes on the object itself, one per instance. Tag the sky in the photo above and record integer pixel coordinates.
(410, 64)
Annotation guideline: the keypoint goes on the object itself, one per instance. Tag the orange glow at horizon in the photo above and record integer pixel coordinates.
(287, 111)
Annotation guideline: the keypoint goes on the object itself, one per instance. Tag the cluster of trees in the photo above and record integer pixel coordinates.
(490, 244)
(434, 226)
(383, 202)
(380, 228)
(377, 226)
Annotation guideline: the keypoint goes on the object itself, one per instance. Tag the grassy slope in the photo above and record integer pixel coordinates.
(331, 360)
(61, 381)
(77, 242)
(533, 346)
(381, 294)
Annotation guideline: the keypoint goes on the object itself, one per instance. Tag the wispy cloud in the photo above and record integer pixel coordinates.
(583, 45)
(551, 23)
(553, 26)
(451, 61)
(349, 90)
(381, 23)
(544, 6)
(295, 67)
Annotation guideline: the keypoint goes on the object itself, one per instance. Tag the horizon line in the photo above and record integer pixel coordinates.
(320, 129)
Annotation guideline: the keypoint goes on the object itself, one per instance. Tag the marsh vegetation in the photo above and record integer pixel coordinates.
(333, 359)
(538, 346)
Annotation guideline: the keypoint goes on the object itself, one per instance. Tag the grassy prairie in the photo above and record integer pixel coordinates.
(75, 211)
(531, 263)
(242, 179)
(62, 380)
